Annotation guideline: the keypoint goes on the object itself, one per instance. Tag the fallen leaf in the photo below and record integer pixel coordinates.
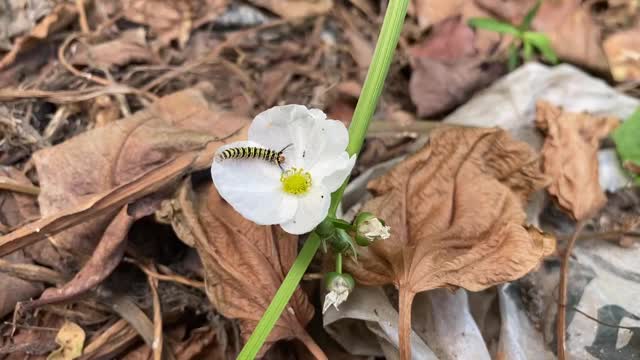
(244, 264)
(71, 340)
(430, 12)
(171, 20)
(61, 16)
(623, 52)
(628, 143)
(103, 159)
(451, 39)
(290, 9)
(18, 17)
(456, 211)
(130, 46)
(570, 157)
(15, 208)
(103, 261)
(447, 68)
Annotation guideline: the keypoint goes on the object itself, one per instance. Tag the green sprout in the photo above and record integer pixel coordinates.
(524, 41)
(627, 140)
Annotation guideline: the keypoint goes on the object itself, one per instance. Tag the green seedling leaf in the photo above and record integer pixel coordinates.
(531, 14)
(513, 59)
(627, 139)
(527, 52)
(495, 25)
(543, 44)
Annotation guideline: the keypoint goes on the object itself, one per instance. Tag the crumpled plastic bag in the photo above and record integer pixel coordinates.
(515, 320)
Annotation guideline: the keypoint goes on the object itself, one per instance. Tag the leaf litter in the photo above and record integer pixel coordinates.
(133, 99)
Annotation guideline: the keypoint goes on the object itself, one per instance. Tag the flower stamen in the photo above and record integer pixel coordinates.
(296, 181)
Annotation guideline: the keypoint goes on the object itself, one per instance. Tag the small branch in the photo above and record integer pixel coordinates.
(562, 301)
(8, 184)
(84, 24)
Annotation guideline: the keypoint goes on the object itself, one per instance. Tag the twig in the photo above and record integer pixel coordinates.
(562, 301)
(84, 24)
(88, 76)
(63, 60)
(604, 323)
(157, 317)
(213, 55)
(31, 327)
(172, 277)
(10, 185)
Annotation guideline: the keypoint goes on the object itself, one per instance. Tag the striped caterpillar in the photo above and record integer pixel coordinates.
(251, 152)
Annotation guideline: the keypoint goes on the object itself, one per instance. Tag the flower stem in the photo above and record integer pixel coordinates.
(281, 298)
(371, 90)
(339, 263)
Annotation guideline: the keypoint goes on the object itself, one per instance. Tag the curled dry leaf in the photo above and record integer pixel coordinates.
(171, 20)
(244, 263)
(104, 260)
(456, 213)
(623, 53)
(130, 46)
(103, 159)
(570, 157)
(447, 68)
(61, 16)
(290, 9)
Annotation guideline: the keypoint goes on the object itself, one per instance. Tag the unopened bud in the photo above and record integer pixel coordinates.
(369, 229)
(339, 287)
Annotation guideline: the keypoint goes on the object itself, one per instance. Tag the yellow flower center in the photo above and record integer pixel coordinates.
(296, 181)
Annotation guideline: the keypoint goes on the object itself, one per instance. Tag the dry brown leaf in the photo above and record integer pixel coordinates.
(447, 68)
(100, 160)
(244, 264)
(130, 46)
(290, 9)
(570, 157)
(430, 12)
(15, 208)
(171, 20)
(623, 53)
(456, 214)
(104, 260)
(61, 16)
(135, 157)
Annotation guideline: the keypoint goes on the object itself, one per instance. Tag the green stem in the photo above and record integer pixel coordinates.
(281, 298)
(339, 263)
(371, 90)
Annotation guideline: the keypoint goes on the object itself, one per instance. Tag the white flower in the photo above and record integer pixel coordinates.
(296, 196)
(339, 292)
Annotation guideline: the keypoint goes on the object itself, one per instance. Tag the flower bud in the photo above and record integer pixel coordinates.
(326, 228)
(339, 286)
(342, 242)
(369, 229)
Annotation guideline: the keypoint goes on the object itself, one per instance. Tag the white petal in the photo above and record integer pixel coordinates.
(314, 138)
(282, 126)
(332, 173)
(328, 140)
(252, 187)
(312, 209)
